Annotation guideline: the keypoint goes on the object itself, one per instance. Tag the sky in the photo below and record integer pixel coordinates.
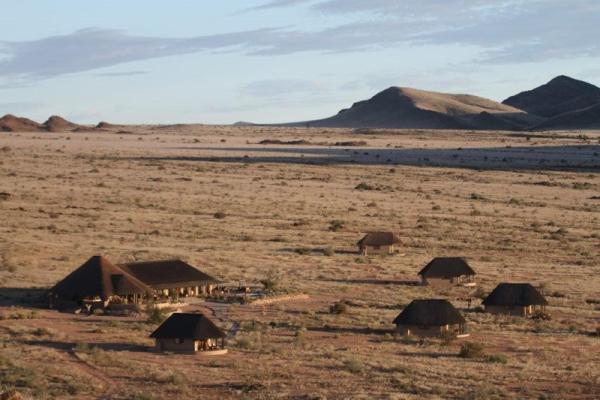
(206, 61)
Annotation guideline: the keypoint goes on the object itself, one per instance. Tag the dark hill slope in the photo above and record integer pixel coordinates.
(561, 95)
(587, 118)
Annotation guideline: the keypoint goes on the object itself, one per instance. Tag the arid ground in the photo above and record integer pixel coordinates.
(520, 207)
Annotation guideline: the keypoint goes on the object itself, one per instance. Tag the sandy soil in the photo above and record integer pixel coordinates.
(519, 207)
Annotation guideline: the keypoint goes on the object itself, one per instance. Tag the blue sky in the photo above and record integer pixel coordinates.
(278, 60)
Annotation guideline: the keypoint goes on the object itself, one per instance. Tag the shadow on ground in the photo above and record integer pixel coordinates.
(352, 330)
(400, 282)
(316, 251)
(29, 297)
(563, 158)
(68, 346)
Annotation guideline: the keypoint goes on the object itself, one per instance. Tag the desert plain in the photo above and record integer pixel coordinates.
(521, 207)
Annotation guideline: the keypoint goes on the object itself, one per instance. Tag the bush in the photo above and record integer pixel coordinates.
(339, 307)
(328, 251)
(270, 283)
(353, 365)
(541, 316)
(302, 251)
(82, 348)
(496, 358)
(219, 215)
(336, 225)
(364, 186)
(155, 315)
(243, 343)
(471, 350)
(41, 332)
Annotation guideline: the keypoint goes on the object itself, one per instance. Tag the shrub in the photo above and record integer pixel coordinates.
(353, 365)
(155, 315)
(541, 315)
(243, 343)
(339, 307)
(471, 350)
(82, 348)
(41, 332)
(336, 225)
(219, 215)
(302, 251)
(364, 186)
(485, 393)
(496, 358)
(270, 283)
(328, 251)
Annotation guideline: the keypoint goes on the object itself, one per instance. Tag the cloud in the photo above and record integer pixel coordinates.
(507, 31)
(276, 4)
(91, 48)
(282, 87)
(504, 31)
(121, 74)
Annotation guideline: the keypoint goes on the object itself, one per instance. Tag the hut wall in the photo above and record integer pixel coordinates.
(520, 311)
(377, 250)
(413, 330)
(442, 282)
(437, 282)
(185, 345)
(431, 331)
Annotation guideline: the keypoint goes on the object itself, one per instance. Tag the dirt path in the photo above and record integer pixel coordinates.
(110, 384)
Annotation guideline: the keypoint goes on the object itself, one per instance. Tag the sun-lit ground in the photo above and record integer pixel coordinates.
(147, 192)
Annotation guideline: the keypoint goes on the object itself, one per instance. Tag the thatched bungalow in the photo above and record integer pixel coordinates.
(189, 333)
(448, 271)
(172, 278)
(378, 243)
(96, 284)
(430, 318)
(519, 299)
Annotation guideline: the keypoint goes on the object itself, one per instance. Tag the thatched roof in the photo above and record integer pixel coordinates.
(379, 239)
(98, 277)
(167, 274)
(447, 267)
(515, 294)
(429, 312)
(188, 326)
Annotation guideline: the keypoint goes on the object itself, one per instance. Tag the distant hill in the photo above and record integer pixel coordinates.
(11, 123)
(587, 118)
(399, 107)
(561, 95)
(59, 124)
(108, 125)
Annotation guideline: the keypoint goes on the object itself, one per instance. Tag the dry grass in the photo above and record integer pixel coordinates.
(173, 192)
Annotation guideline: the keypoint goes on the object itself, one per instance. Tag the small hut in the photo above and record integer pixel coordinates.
(172, 278)
(430, 318)
(189, 333)
(96, 284)
(519, 299)
(448, 271)
(378, 243)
